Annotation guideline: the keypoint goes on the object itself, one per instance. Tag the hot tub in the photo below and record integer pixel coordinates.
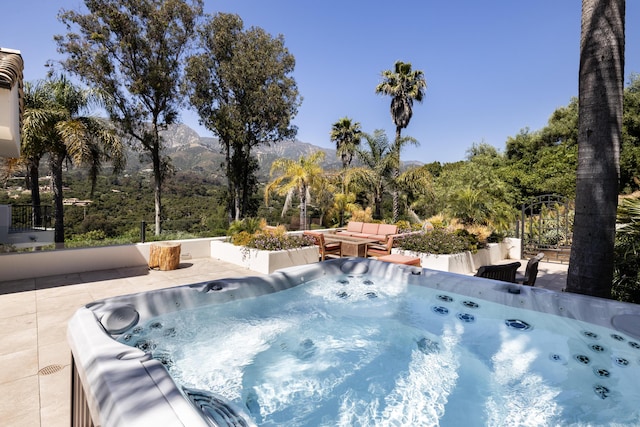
(355, 342)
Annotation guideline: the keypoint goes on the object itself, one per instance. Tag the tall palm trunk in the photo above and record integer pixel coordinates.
(303, 208)
(57, 159)
(34, 184)
(377, 203)
(395, 174)
(599, 133)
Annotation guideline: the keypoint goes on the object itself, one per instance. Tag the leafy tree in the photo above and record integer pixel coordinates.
(404, 86)
(133, 51)
(474, 192)
(302, 177)
(346, 134)
(626, 282)
(599, 134)
(630, 149)
(545, 161)
(240, 84)
(58, 128)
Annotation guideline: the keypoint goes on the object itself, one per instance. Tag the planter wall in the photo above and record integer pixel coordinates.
(265, 262)
(466, 262)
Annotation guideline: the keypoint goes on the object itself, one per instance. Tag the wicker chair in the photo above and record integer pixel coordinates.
(332, 249)
(531, 272)
(504, 272)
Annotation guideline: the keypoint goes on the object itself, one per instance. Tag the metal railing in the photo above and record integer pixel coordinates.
(28, 217)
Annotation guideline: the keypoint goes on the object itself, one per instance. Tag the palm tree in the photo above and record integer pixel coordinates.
(417, 183)
(377, 167)
(346, 134)
(33, 144)
(404, 85)
(301, 176)
(57, 127)
(601, 81)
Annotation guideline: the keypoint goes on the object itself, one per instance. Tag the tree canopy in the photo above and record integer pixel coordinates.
(133, 51)
(240, 83)
(56, 124)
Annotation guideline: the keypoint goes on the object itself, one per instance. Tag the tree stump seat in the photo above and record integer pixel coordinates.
(164, 255)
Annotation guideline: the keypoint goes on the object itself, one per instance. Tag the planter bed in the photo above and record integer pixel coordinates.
(265, 262)
(467, 262)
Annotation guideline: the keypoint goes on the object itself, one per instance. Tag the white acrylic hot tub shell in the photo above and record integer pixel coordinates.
(125, 387)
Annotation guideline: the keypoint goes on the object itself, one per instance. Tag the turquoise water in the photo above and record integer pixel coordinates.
(363, 351)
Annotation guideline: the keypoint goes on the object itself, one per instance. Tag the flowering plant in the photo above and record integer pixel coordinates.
(271, 239)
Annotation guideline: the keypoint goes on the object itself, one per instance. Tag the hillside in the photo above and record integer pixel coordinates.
(191, 152)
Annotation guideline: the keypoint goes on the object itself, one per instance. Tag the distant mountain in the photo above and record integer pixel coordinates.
(190, 151)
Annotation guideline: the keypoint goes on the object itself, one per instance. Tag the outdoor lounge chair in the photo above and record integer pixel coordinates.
(504, 272)
(531, 272)
(380, 249)
(332, 249)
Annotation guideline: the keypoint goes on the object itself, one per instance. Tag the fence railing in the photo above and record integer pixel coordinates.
(28, 217)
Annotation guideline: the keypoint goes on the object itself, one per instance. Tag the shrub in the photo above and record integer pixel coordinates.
(437, 221)
(277, 242)
(439, 241)
(481, 232)
(270, 239)
(250, 225)
(362, 215)
(241, 239)
(90, 235)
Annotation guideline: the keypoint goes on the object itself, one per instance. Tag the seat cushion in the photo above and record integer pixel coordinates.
(387, 229)
(379, 237)
(354, 226)
(370, 228)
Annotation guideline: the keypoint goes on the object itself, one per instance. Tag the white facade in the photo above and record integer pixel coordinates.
(11, 66)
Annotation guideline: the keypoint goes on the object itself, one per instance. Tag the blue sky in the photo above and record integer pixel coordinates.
(492, 67)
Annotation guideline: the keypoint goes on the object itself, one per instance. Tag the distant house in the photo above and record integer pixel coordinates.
(11, 102)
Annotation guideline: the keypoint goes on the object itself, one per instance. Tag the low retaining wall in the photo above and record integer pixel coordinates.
(27, 265)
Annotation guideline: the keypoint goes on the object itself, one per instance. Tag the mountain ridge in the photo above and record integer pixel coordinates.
(190, 151)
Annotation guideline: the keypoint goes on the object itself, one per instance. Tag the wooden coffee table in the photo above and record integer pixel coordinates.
(351, 246)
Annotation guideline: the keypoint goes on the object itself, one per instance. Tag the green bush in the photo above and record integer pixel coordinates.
(439, 241)
(278, 242)
(626, 276)
(249, 225)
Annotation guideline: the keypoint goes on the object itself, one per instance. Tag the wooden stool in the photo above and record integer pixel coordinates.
(164, 255)
(400, 259)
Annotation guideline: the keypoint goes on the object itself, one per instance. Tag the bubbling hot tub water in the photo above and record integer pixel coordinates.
(391, 347)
